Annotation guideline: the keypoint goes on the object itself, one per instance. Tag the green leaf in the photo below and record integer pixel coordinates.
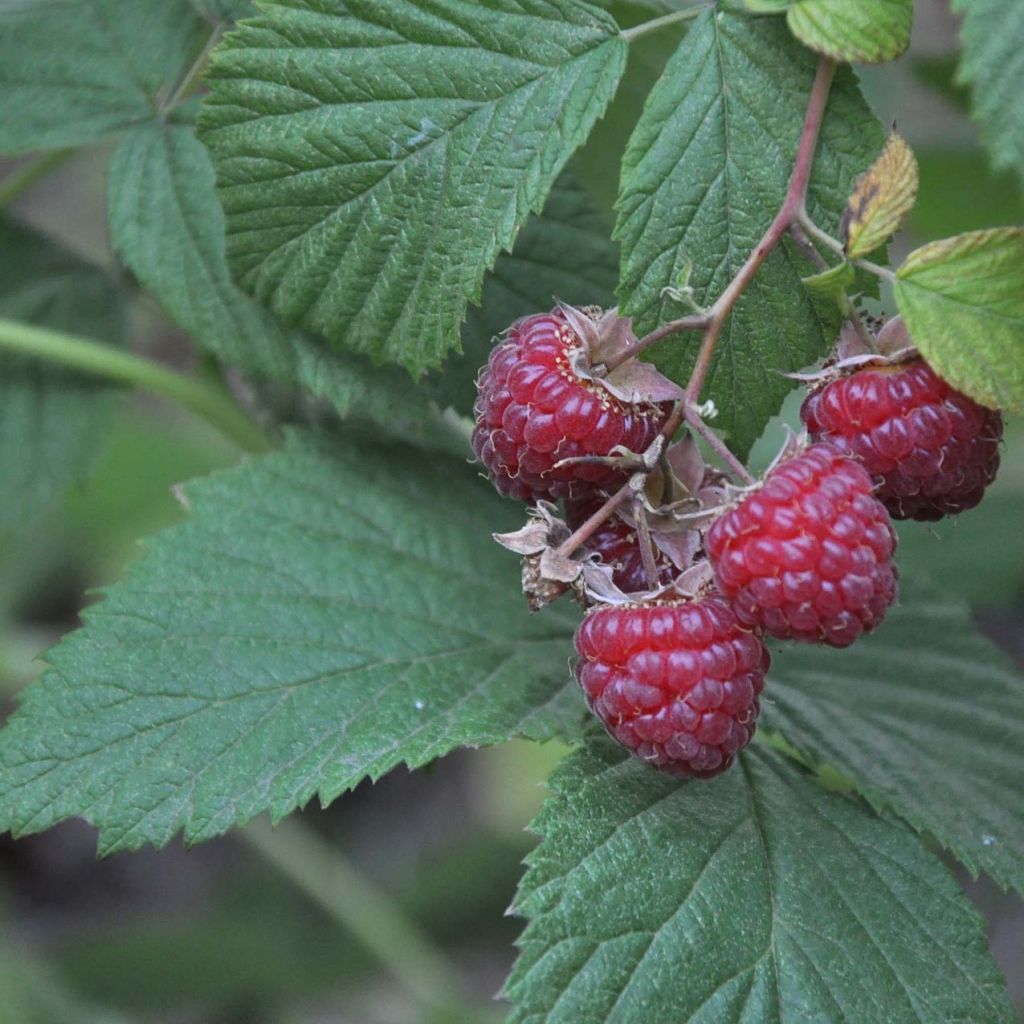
(853, 30)
(963, 301)
(565, 253)
(834, 282)
(366, 205)
(992, 35)
(757, 896)
(51, 420)
(703, 177)
(926, 718)
(881, 198)
(73, 72)
(313, 623)
(225, 10)
(167, 225)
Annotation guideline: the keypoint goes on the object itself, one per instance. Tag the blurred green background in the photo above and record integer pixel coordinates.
(218, 934)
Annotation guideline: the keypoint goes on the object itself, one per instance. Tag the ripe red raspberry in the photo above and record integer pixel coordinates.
(931, 449)
(808, 555)
(619, 547)
(677, 684)
(533, 411)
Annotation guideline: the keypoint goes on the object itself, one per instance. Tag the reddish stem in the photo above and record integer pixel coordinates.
(789, 213)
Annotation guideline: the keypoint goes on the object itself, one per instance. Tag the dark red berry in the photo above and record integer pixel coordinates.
(533, 410)
(931, 450)
(676, 684)
(808, 555)
(619, 547)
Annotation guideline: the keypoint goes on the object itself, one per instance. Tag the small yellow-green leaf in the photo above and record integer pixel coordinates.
(963, 301)
(881, 198)
(832, 282)
(766, 6)
(869, 31)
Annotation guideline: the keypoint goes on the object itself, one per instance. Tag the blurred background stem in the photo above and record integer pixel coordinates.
(205, 399)
(367, 913)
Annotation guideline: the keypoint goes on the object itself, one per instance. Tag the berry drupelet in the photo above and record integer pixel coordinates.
(931, 450)
(808, 555)
(534, 410)
(675, 683)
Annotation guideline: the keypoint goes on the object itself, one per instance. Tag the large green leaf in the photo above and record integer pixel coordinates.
(963, 301)
(374, 158)
(74, 71)
(566, 252)
(167, 224)
(51, 420)
(704, 175)
(324, 614)
(993, 59)
(853, 30)
(926, 718)
(756, 897)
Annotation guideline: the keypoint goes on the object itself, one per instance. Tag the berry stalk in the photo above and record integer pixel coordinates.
(791, 212)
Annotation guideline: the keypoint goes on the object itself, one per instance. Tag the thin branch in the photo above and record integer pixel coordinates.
(717, 445)
(27, 175)
(807, 247)
(104, 361)
(791, 212)
(695, 322)
(363, 910)
(637, 31)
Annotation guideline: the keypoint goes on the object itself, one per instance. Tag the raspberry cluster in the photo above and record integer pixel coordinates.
(533, 410)
(931, 450)
(674, 671)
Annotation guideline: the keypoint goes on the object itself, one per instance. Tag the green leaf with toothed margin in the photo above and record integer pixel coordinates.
(756, 896)
(859, 31)
(963, 302)
(76, 71)
(375, 158)
(313, 622)
(703, 177)
(992, 34)
(926, 718)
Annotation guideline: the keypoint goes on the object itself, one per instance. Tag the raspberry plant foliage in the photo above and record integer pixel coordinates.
(333, 606)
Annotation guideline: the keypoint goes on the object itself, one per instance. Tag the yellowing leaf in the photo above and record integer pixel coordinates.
(963, 301)
(881, 198)
(853, 30)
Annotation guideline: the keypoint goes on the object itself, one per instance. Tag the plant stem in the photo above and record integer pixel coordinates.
(789, 212)
(27, 175)
(695, 322)
(717, 445)
(637, 31)
(191, 77)
(807, 247)
(792, 211)
(354, 902)
(203, 398)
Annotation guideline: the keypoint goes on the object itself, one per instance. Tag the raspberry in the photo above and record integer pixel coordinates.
(533, 410)
(809, 554)
(677, 684)
(619, 547)
(931, 450)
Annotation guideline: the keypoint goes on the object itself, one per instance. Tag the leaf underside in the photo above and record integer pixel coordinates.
(963, 302)
(853, 30)
(703, 177)
(755, 897)
(314, 622)
(374, 158)
(992, 63)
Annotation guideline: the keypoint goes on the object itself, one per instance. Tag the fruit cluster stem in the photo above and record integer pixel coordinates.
(791, 212)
